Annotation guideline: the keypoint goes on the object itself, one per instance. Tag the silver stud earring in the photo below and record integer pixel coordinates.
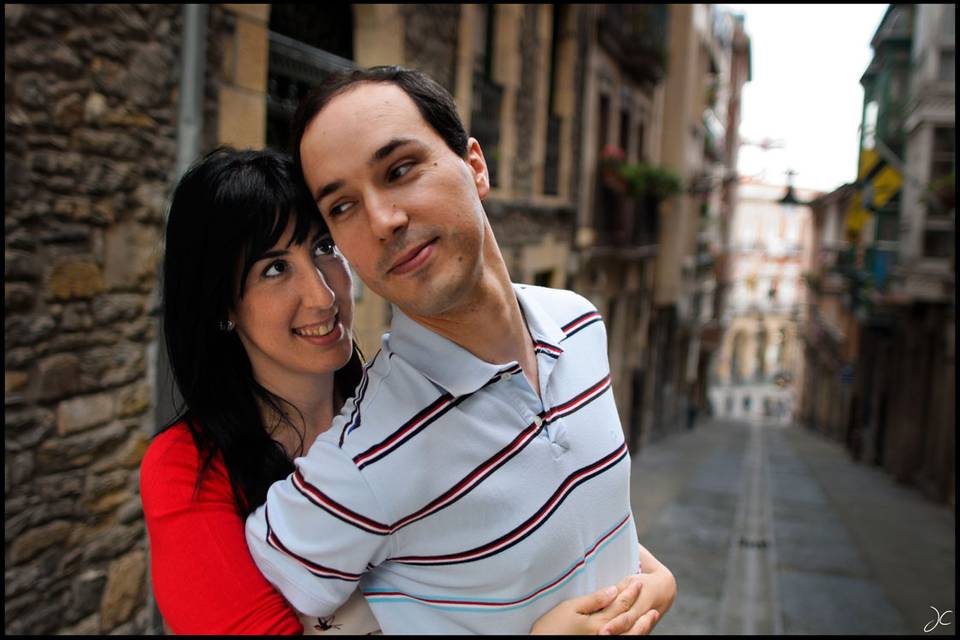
(226, 325)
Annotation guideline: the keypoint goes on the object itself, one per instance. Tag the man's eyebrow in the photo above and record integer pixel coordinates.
(327, 189)
(377, 156)
(387, 149)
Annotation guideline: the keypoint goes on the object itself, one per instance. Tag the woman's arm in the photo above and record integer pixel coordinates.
(204, 579)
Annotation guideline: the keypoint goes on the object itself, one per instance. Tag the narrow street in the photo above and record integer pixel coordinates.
(776, 530)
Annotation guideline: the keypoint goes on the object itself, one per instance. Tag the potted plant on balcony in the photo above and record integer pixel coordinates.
(649, 182)
(610, 166)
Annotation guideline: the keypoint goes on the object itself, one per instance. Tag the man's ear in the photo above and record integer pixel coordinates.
(478, 167)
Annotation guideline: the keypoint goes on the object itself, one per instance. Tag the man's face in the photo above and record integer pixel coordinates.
(402, 207)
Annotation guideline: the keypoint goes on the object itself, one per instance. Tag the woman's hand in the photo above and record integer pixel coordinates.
(659, 590)
(612, 610)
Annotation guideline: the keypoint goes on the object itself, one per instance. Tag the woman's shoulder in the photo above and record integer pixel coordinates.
(173, 445)
(170, 467)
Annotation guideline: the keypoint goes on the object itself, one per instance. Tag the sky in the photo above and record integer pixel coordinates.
(805, 90)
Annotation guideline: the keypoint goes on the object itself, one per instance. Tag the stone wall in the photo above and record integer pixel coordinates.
(90, 154)
(430, 39)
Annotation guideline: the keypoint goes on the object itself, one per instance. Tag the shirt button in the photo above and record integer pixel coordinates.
(506, 376)
(537, 420)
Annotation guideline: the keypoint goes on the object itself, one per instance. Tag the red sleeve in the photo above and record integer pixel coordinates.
(204, 579)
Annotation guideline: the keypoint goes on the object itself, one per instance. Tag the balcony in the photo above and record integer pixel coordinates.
(293, 69)
(624, 222)
(635, 36)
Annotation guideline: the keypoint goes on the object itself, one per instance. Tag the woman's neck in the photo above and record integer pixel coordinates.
(308, 411)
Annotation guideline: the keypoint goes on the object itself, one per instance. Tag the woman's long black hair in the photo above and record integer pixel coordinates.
(228, 210)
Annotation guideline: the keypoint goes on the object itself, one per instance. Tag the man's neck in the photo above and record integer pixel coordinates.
(489, 324)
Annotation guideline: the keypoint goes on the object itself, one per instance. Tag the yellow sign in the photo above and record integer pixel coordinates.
(879, 181)
(856, 216)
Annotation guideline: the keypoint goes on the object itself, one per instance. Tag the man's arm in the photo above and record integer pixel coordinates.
(319, 531)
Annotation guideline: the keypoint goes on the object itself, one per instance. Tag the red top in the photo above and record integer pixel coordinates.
(204, 579)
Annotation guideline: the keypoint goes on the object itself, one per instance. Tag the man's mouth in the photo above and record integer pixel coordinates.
(412, 258)
(317, 330)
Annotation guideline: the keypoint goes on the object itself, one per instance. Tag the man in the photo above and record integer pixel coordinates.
(481, 467)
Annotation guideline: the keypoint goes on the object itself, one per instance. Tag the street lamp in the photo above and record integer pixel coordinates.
(789, 199)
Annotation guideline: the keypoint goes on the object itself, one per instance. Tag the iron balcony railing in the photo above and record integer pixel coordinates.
(293, 69)
(635, 35)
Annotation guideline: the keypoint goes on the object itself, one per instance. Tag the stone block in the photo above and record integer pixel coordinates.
(132, 254)
(21, 468)
(19, 297)
(94, 107)
(133, 400)
(131, 511)
(89, 626)
(87, 591)
(59, 454)
(68, 112)
(33, 541)
(75, 279)
(84, 412)
(108, 502)
(109, 541)
(114, 307)
(124, 589)
(15, 382)
(21, 265)
(55, 486)
(58, 375)
(27, 330)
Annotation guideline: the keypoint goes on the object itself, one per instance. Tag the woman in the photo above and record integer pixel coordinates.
(257, 313)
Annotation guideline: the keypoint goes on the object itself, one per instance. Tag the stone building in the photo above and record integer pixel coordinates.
(760, 356)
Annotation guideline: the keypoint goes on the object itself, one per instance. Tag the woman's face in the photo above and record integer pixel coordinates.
(295, 317)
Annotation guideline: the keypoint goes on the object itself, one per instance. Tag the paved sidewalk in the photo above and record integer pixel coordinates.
(775, 530)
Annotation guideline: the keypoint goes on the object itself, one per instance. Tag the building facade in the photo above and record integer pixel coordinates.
(755, 376)
(880, 340)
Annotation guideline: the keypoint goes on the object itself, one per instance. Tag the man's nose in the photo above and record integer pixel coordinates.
(387, 217)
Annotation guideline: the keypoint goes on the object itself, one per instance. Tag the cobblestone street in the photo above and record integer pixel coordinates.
(775, 530)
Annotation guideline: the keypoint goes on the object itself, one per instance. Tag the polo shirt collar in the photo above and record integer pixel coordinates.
(452, 367)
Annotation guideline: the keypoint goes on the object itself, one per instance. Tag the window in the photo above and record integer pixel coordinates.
(543, 278)
(641, 134)
(625, 130)
(306, 43)
(946, 70)
(551, 164)
(487, 94)
(944, 148)
(937, 244)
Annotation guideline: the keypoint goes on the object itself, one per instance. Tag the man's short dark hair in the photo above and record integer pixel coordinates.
(435, 103)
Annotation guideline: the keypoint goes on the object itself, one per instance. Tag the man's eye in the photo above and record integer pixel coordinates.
(399, 171)
(324, 247)
(339, 208)
(275, 269)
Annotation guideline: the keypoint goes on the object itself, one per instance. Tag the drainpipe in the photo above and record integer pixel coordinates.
(193, 63)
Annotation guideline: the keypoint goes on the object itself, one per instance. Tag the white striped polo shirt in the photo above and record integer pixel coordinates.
(455, 498)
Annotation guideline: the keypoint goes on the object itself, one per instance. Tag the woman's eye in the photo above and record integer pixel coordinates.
(275, 269)
(324, 247)
(400, 170)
